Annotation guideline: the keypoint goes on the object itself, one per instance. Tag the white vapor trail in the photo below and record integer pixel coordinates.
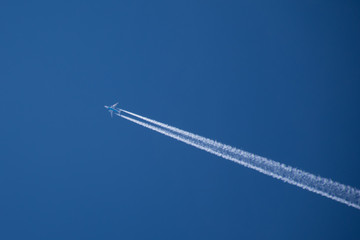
(323, 186)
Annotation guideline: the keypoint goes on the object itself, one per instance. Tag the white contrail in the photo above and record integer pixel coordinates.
(188, 134)
(325, 187)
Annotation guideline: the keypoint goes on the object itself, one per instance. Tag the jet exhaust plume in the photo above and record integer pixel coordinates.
(323, 186)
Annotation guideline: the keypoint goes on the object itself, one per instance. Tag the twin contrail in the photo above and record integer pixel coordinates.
(323, 186)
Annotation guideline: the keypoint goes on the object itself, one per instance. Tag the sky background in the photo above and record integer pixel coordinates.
(279, 79)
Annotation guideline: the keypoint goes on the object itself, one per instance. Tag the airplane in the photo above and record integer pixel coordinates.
(112, 109)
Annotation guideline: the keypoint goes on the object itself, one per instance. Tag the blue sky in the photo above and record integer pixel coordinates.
(277, 79)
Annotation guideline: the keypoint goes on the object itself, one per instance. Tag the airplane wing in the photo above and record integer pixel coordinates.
(114, 105)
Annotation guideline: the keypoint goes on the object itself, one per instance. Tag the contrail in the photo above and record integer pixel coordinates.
(323, 186)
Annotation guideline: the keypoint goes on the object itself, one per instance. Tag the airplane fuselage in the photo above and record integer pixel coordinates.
(112, 109)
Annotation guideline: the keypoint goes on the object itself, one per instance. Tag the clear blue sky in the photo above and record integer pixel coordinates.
(277, 79)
